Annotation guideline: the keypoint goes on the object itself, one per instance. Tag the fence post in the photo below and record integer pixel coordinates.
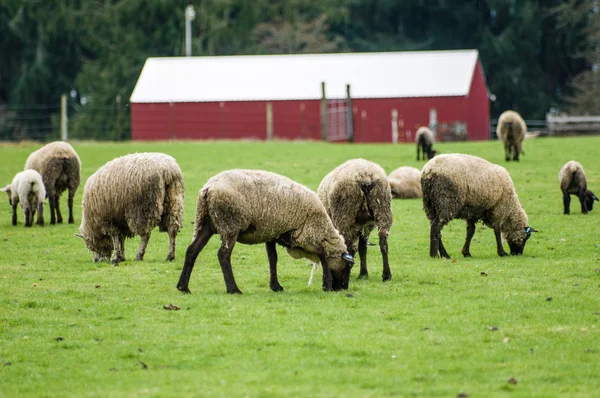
(64, 134)
(118, 116)
(349, 123)
(323, 113)
(395, 126)
(269, 121)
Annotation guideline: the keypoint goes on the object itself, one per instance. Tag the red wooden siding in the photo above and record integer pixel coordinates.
(478, 107)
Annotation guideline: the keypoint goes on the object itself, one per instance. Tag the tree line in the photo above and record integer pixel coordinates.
(536, 55)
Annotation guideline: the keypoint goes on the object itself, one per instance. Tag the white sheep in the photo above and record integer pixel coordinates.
(472, 189)
(511, 129)
(59, 166)
(573, 182)
(28, 189)
(405, 183)
(357, 197)
(255, 206)
(130, 196)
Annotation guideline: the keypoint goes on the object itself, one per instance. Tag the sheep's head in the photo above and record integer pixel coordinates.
(340, 271)
(100, 246)
(590, 198)
(8, 192)
(517, 239)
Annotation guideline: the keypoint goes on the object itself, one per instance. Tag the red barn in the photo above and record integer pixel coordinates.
(280, 96)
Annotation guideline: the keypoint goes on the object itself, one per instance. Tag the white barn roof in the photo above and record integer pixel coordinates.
(289, 77)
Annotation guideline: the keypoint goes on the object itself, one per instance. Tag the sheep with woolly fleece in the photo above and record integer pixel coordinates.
(573, 182)
(405, 183)
(511, 129)
(255, 206)
(472, 189)
(129, 196)
(425, 138)
(59, 166)
(358, 197)
(28, 189)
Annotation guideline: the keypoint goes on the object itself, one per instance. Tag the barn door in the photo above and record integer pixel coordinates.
(337, 120)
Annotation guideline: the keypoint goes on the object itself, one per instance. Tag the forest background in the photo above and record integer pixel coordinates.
(537, 55)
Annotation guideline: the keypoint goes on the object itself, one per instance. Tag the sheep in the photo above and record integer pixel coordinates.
(472, 189)
(405, 183)
(511, 129)
(129, 196)
(59, 166)
(357, 196)
(573, 182)
(28, 189)
(256, 206)
(425, 138)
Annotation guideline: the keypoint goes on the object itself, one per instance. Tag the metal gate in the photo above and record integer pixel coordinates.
(337, 120)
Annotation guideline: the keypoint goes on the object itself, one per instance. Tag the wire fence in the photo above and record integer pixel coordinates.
(84, 122)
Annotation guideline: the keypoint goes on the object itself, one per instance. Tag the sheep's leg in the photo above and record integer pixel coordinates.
(59, 219)
(499, 247)
(118, 255)
(443, 252)
(172, 238)
(52, 203)
(515, 150)
(272, 255)
(507, 151)
(40, 211)
(581, 195)
(434, 238)
(14, 213)
(192, 252)
(466, 251)
(383, 247)
(362, 253)
(224, 255)
(327, 279)
(567, 202)
(70, 203)
(418, 154)
(27, 212)
(143, 245)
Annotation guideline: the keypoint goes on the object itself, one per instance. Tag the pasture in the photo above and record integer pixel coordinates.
(482, 326)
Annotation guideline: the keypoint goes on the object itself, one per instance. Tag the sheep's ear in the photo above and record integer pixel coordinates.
(79, 236)
(348, 258)
(529, 230)
(595, 198)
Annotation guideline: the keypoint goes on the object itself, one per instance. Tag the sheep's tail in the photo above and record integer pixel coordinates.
(201, 210)
(315, 268)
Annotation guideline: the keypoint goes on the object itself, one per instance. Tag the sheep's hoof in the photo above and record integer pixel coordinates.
(567, 213)
(363, 275)
(234, 291)
(71, 221)
(183, 290)
(138, 258)
(584, 212)
(467, 254)
(170, 258)
(387, 277)
(503, 254)
(276, 288)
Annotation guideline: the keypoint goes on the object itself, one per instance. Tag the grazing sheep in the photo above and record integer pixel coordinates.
(254, 206)
(573, 182)
(472, 189)
(425, 138)
(358, 197)
(511, 130)
(405, 183)
(130, 196)
(27, 188)
(59, 166)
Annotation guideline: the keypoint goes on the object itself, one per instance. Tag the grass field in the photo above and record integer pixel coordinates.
(483, 326)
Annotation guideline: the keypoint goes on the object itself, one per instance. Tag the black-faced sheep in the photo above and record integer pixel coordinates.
(573, 182)
(130, 196)
(511, 129)
(425, 138)
(472, 189)
(59, 166)
(358, 197)
(405, 183)
(28, 189)
(254, 206)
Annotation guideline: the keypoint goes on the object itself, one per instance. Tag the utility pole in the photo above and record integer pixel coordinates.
(190, 14)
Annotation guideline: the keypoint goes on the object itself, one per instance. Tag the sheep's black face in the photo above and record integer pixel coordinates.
(340, 275)
(590, 198)
(101, 247)
(517, 243)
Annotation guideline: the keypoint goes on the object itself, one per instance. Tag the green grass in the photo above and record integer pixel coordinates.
(69, 327)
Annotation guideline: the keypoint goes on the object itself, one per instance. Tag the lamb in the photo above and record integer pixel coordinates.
(425, 138)
(130, 196)
(59, 166)
(28, 189)
(357, 196)
(511, 130)
(573, 182)
(405, 183)
(472, 189)
(256, 206)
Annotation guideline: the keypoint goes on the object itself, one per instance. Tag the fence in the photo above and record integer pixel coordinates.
(572, 125)
(540, 126)
(48, 122)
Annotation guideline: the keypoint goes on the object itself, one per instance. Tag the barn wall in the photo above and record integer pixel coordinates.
(478, 107)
